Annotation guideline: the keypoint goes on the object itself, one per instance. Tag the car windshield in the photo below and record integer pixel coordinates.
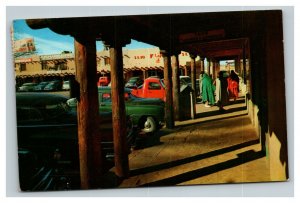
(28, 84)
(162, 83)
(132, 80)
(186, 80)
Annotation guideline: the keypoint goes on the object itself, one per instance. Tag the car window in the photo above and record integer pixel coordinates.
(154, 86)
(29, 114)
(162, 83)
(55, 110)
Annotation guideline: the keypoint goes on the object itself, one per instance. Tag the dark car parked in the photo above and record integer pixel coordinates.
(55, 85)
(27, 87)
(147, 113)
(134, 82)
(48, 143)
(186, 80)
(40, 86)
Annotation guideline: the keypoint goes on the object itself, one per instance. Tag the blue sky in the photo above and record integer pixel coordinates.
(48, 42)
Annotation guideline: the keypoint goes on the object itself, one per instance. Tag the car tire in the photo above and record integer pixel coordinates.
(149, 125)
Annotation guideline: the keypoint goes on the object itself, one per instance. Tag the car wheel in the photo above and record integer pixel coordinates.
(149, 125)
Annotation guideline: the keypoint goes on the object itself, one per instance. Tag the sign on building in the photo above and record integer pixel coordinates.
(24, 45)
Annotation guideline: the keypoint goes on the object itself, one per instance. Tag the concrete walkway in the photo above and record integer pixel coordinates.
(220, 148)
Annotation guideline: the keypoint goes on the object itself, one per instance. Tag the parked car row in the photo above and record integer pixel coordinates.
(48, 142)
(55, 85)
(147, 113)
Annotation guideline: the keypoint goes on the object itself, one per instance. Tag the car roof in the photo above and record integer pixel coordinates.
(38, 99)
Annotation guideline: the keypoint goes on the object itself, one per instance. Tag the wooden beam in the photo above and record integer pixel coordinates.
(202, 64)
(90, 158)
(228, 52)
(193, 79)
(118, 111)
(176, 85)
(169, 114)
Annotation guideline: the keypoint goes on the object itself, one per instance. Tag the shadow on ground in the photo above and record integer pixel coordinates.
(241, 159)
(191, 159)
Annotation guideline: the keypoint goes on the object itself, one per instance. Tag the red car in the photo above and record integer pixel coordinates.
(103, 81)
(153, 87)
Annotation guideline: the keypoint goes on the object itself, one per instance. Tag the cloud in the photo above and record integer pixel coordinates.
(45, 46)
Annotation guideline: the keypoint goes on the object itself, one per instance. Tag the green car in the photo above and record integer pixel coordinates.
(147, 114)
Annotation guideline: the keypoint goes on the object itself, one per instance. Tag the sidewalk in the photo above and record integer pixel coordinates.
(221, 148)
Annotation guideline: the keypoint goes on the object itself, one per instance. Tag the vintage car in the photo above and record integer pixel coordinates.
(48, 142)
(40, 86)
(153, 87)
(134, 82)
(186, 80)
(55, 85)
(66, 85)
(147, 114)
(103, 81)
(27, 87)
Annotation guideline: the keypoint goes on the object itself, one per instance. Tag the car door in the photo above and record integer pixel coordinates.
(155, 90)
(105, 102)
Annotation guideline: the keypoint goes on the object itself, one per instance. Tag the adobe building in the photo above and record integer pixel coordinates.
(139, 62)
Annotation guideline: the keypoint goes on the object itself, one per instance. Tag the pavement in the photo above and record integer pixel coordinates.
(213, 148)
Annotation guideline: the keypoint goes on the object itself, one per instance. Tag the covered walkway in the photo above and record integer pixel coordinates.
(222, 148)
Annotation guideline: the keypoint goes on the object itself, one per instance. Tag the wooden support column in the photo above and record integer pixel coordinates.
(144, 74)
(185, 71)
(90, 158)
(169, 113)
(208, 66)
(193, 79)
(237, 63)
(244, 66)
(201, 64)
(217, 67)
(118, 111)
(213, 68)
(176, 85)
(193, 71)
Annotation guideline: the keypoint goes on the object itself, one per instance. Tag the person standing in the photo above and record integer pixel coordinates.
(208, 90)
(221, 91)
(233, 85)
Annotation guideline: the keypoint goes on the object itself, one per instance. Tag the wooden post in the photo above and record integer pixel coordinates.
(169, 114)
(193, 79)
(244, 67)
(90, 158)
(176, 85)
(237, 63)
(193, 71)
(201, 64)
(185, 71)
(217, 67)
(208, 66)
(118, 111)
